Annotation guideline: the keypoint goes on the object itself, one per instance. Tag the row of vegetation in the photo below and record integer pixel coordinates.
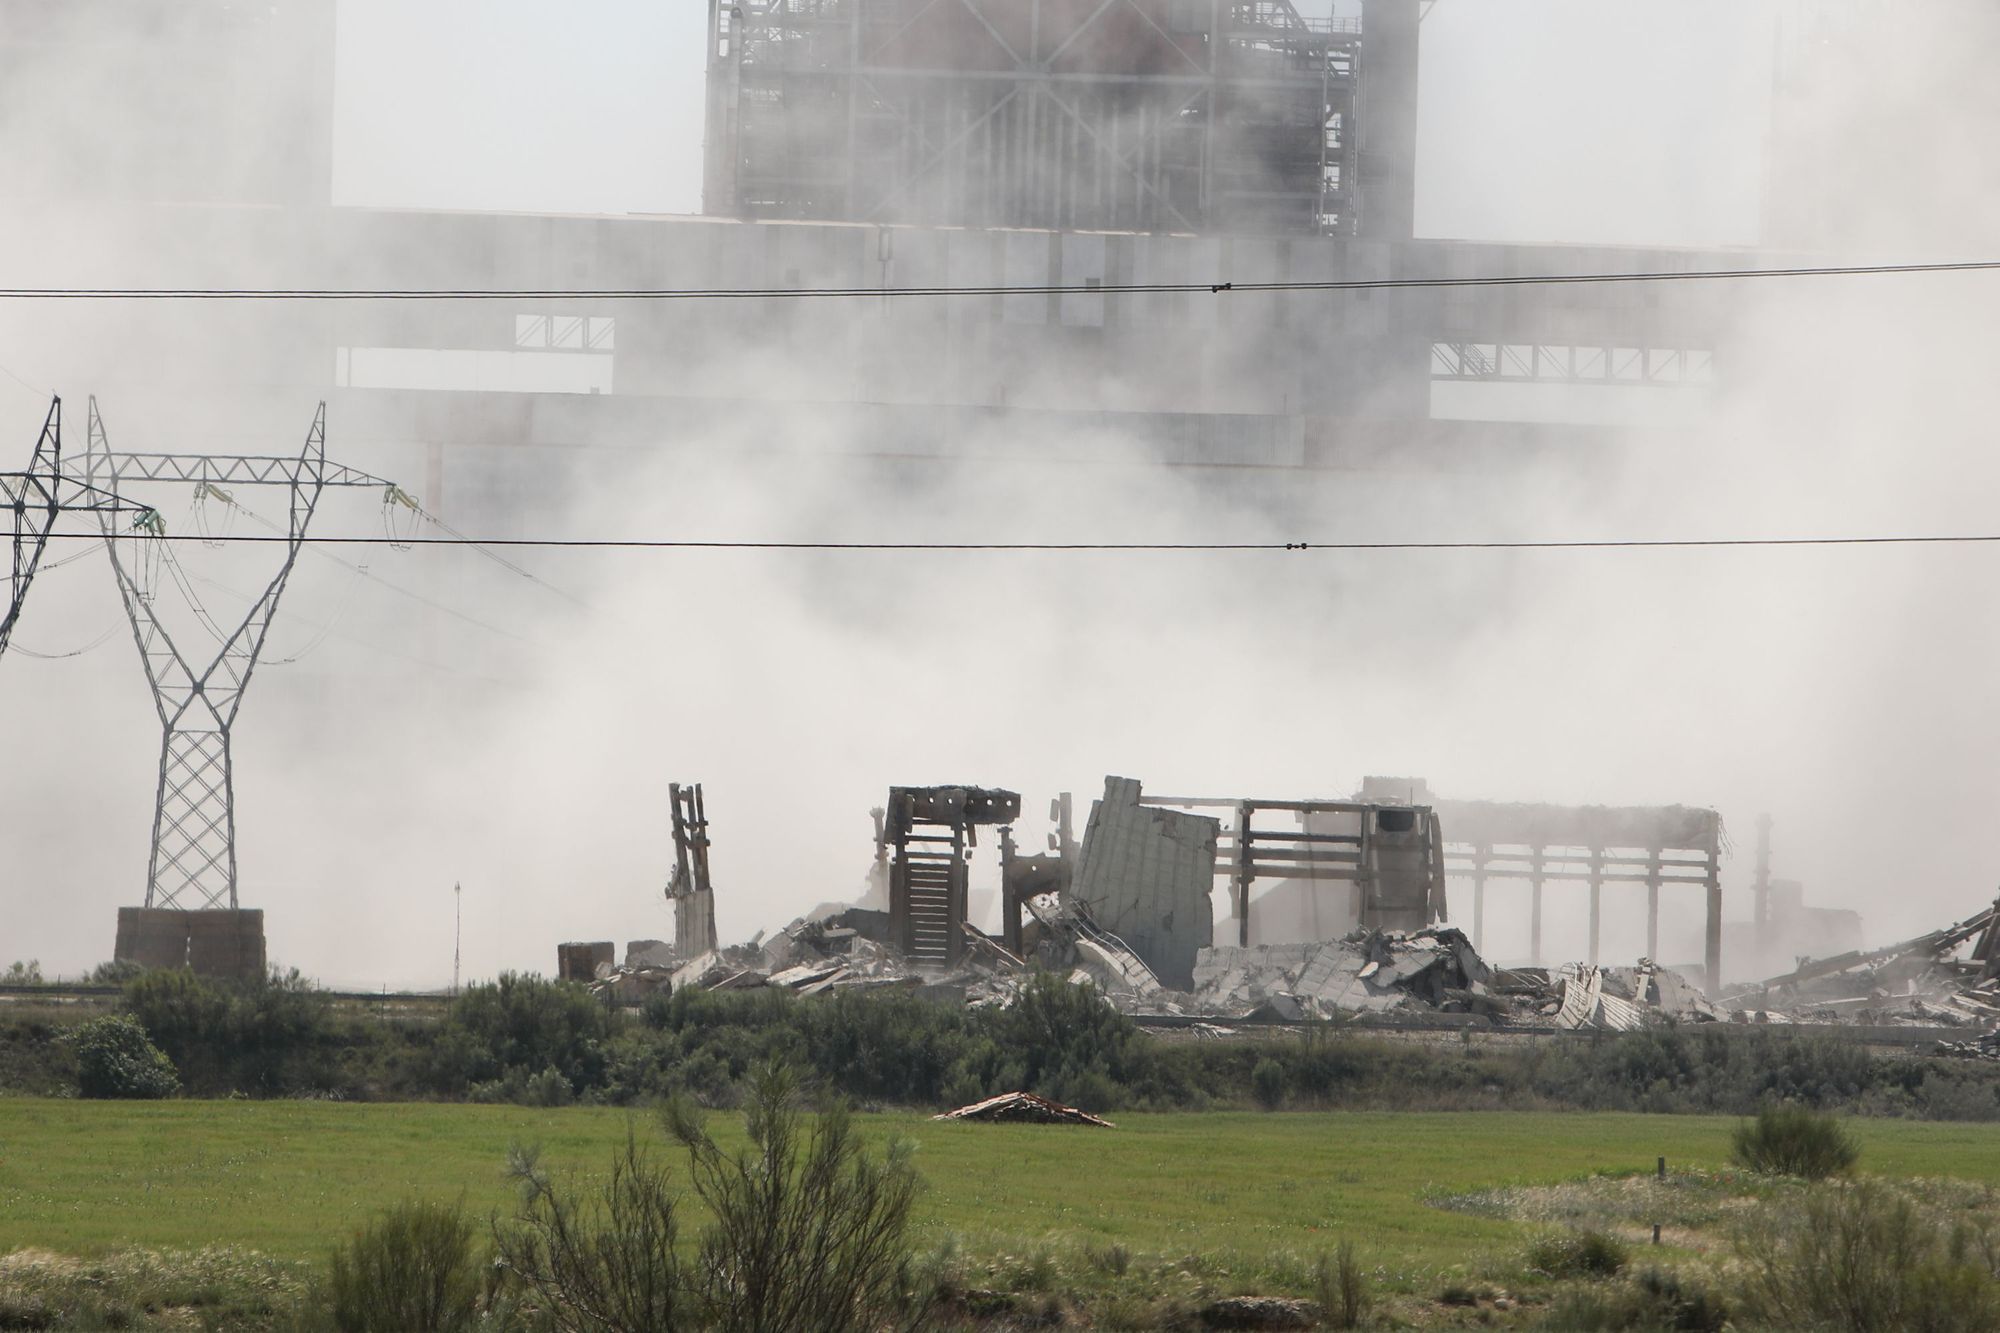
(526, 1040)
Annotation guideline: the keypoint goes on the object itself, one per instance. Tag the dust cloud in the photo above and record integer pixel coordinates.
(520, 742)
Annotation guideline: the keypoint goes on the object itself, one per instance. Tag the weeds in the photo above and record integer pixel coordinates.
(1341, 1287)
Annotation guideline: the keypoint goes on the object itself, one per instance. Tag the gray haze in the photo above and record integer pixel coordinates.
(1843, 691)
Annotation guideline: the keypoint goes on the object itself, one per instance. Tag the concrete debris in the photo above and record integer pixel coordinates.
(1948, 978)
(1023, 1108)
(1367, 971)
(1625, 999)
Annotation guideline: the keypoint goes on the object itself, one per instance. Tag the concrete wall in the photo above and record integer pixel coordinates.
(1146, 875)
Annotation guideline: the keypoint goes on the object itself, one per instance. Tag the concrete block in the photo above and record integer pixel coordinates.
(226, 944)
(579, 962)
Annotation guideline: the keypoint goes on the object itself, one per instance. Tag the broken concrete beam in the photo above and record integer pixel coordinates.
(1146, 874)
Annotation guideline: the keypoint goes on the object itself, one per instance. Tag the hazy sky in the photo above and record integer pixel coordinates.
(1639, 121)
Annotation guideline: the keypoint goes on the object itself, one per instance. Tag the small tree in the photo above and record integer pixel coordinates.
(114, 1058)
(1793, 1141)
(23, 974)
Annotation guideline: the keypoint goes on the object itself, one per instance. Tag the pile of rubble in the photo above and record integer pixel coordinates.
(1024, 1108)
(1410, 974)
(1920, 982)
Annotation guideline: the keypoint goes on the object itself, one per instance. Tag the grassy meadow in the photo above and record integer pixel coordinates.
(1244, 1190)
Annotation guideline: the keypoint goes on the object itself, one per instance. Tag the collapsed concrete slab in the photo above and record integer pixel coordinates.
(1145, 875)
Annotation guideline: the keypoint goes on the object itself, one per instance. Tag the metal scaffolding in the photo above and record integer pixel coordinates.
(193, 865)
(1133, 115)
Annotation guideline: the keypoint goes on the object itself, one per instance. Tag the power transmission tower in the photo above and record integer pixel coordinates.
(36, 499)
(193, 863)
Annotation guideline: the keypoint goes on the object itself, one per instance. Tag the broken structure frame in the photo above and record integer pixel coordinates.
(692, 894)
(1247, 853)
(930, 831)
(1657, 846)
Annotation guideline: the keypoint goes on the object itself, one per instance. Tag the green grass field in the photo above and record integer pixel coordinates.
(287, 1177)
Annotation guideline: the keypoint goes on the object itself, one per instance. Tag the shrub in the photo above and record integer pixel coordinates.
(414, 1266)
(114, 1058)
(1577, 1254)
(1267, 1084)
(810, 1233)
(609, 1265)
(1862, 1257)
(1342, 1288)
(1793, 1141)
(23, 974)
(1657, 1302)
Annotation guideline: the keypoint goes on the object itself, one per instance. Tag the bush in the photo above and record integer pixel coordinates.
(269, 1037)
(1267, 1084)
(1657, 1302)
(1863, 1257)
(114, 1058)
(1793, 1141)
(1342, 1288)
(23, 974)
(414, 1267)
(1577, 1254)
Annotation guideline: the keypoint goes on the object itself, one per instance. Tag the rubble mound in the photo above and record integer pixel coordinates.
(1023, 1108)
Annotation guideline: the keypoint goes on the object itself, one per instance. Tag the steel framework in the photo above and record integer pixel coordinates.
(36, 499)
(1138, 115)
(193, 865)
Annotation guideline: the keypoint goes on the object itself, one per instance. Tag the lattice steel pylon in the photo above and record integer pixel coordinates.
(33, 498)
(193, 863)
(36, 499)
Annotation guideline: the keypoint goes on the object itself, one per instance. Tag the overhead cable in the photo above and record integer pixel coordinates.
(1045, 289)
(692, 544)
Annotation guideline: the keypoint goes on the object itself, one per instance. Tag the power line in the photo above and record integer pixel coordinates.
(1048, 289)
(680, 544)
